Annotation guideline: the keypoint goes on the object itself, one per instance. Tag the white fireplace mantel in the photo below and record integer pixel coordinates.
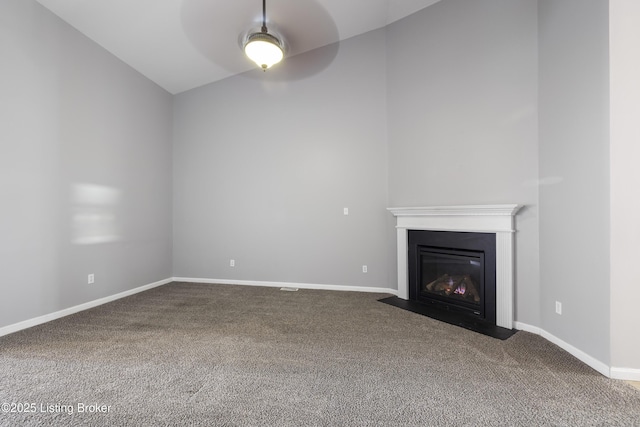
(497, 219)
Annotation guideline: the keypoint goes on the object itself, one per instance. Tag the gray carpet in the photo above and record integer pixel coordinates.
(214, 355)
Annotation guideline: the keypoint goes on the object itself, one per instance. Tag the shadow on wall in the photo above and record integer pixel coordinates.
(216, 31)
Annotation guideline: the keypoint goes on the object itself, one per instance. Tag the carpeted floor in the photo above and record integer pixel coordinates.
(215, 355)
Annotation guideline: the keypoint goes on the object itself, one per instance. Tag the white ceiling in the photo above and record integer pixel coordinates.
(182, 44)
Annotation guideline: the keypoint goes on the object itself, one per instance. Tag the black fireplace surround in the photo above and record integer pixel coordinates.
(454, 271)
(452, 278)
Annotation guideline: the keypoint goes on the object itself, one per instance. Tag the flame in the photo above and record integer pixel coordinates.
(460, 290)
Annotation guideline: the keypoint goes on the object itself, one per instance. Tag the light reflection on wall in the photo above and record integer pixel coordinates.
(549, 180)
(94, 216)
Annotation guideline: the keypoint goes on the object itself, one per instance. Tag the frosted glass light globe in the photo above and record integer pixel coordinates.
(263, 49)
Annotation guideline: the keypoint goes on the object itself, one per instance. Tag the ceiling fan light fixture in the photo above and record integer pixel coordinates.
(264, 49)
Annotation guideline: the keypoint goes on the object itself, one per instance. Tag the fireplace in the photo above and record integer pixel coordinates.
(454, 271)
(458, 260)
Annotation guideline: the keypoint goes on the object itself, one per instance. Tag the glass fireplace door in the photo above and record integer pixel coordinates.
(453, 277)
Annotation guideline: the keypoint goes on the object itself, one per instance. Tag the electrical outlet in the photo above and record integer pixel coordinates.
(364, 269)
(91, 279)
(558, 307)
(232, 263)
(346, 211)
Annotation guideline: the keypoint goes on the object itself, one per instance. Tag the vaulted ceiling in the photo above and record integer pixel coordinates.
(183, 44)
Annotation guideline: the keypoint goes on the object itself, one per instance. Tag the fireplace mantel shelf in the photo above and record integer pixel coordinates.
(471, 218)
(498, 219)
(508, 210)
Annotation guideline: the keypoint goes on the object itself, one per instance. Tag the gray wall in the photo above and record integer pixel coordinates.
(85, 169)
(574, 164)
(462, 109)
(264, 164)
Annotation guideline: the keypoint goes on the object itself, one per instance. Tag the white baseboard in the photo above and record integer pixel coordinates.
(629, 374)
(287, 285)
(71, 310)
(599, 366)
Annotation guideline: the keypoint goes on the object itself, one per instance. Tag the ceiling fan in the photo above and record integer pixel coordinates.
(221, 33)
(264, 48)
